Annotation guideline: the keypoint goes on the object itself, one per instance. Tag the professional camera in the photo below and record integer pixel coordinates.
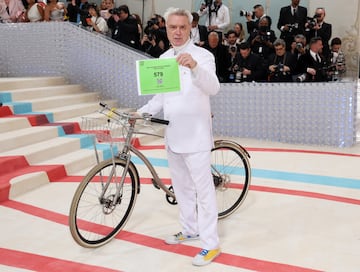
(114, 11)
(151, 35)
(312, 22)
(152, 22)
(301, 78)
(279, 68)
(232, 48)
(293, 27)
(265, 36)
(299, 46)
(247, 13)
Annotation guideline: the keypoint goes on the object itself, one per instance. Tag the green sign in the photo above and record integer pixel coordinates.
(156, 76)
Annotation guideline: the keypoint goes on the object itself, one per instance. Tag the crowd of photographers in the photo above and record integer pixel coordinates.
(304, 51)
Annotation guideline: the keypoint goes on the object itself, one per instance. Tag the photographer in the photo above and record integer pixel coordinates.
(221, 55)
(316, 27)
(292, 21)
(312, 65)
(281, 64)
(78, 11)
(153, 41)
(155, 27)
(253, 18)
(218, 15)
(337, 60)
(261, 39)
(298, 46)
(124, 27)
(199, 32)
(247, 66)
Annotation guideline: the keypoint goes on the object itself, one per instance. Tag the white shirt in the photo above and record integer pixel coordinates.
(189, 113)
(221, 18)
(195, 35)
(100, 23)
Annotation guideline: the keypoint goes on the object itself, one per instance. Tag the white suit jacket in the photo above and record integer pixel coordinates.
(189, 113)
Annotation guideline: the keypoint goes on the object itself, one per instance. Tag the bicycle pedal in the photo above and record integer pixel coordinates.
(155, 184)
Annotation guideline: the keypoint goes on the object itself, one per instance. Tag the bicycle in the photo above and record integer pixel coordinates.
(105, 198)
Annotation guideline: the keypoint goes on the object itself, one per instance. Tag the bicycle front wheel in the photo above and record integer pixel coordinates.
(102, 204)
(231, 172)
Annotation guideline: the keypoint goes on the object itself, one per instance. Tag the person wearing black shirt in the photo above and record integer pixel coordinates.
(124, 27)
(292, 20)
(281, 64)
(261, 40)
(317, 27)
(222, 57)
(247, 66)
(312, 65)
(254, 18)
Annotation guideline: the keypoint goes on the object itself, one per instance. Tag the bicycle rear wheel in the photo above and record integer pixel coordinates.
(96, 214)
(231, 172)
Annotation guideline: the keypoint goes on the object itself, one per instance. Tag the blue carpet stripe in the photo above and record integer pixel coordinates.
(281, 175)
(5, 97)
(21, 107)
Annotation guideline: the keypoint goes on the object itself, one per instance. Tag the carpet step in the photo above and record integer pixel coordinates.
(11, 140)
(39, 92)
(12, 83)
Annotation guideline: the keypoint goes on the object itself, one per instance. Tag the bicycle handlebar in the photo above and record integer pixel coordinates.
(127, 115)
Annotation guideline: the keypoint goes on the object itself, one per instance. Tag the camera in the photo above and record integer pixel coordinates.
(299, 46)
(232, 49)
(312, 22)
(301, 78)
(279, 68)
(247, 13)
(152, 22)
(292, 27)
(114, 11)
(150, 36)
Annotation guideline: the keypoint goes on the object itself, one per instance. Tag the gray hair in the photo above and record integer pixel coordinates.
(278, 42)
(179, 12)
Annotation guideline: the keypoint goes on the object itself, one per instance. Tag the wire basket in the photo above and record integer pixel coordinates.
(105, 130)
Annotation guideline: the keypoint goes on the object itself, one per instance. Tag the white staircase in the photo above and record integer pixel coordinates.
(39, 132)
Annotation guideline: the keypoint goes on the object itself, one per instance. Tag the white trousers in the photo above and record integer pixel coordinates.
(195, 193)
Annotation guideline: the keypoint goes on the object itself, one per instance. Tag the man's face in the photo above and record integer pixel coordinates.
(320, 15)
(213, 41)
(245, 52)
(232, 39)
(336, 48)
(295, 2)
(280, 50)
(258, 12)
(178, 29)
(317, 46)
(123, 15)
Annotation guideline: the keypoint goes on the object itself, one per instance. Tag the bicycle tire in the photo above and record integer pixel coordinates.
(93, 221)
(232, 174)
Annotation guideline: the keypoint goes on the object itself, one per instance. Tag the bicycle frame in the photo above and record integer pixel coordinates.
(125, 155)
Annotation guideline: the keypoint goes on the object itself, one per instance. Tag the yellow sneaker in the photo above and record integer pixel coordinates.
(205, 257)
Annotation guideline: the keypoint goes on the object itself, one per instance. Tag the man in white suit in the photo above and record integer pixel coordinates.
(189, 136)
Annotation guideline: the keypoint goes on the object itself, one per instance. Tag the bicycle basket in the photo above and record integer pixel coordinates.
(104, 129)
